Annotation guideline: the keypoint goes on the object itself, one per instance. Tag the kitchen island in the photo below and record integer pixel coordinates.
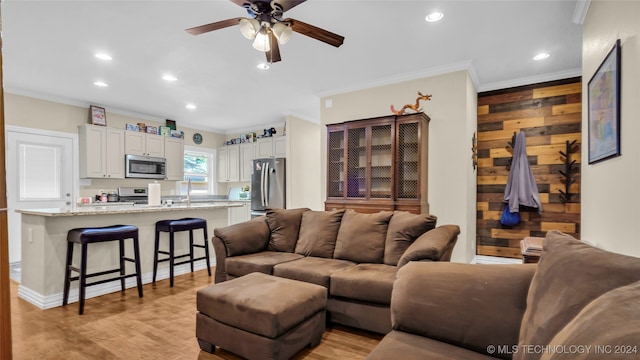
(44, 244)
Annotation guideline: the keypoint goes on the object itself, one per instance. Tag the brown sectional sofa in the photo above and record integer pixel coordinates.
(578, 302)
(355, 256)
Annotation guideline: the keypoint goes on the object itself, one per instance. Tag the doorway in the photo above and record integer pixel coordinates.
(41, 173)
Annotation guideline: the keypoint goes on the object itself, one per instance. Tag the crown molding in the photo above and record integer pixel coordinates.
(531, 80)
(580, 11)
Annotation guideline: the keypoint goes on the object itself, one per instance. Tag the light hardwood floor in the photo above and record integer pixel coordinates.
(161, 325)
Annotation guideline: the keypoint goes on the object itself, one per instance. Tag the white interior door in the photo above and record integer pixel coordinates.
(40, 174)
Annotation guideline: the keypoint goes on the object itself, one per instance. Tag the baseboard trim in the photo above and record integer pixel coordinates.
(483, 259)
(54, 300)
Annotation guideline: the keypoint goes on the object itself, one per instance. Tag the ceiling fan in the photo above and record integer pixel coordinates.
(267, 28)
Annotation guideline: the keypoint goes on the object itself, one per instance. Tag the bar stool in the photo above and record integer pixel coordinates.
(172, 226)
(85, 236)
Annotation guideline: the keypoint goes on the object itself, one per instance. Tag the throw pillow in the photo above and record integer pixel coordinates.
(361, 237)
(244, 238)
(608, 328)
(570, 275)
(318, 231)
(404, 228)
(284, 225)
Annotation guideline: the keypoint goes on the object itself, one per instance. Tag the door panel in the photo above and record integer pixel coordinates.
(39, 175)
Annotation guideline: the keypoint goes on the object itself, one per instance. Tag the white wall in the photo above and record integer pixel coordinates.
(452, 110)
(303, 164)
(610, 189)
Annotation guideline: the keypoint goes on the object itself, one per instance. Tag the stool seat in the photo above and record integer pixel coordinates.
(171, 227)
(108, 233)
(181, 224)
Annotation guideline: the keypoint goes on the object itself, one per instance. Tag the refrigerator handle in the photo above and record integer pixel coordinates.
(265, 183)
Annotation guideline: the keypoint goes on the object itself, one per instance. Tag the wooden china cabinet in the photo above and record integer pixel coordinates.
(378, 164)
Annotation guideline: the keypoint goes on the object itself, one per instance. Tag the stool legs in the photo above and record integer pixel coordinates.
(83, 275)
(172, 257)
(67, 274)
(156, 250)
(136, 253)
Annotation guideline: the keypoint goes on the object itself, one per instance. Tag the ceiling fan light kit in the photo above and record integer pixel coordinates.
(266, 27)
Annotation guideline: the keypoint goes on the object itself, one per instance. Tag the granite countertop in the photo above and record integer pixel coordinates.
(97, 209)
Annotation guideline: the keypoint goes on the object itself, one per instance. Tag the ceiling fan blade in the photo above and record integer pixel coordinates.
(214, 26)
(316, 32)
(273, 55)
(285, 4)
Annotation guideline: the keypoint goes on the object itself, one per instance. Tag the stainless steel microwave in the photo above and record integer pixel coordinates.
(145, 167)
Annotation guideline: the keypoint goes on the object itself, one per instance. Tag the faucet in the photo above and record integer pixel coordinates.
(189, 192)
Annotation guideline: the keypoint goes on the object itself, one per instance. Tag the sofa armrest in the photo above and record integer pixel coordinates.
(467, 305)
(434, 245)
(244, 238)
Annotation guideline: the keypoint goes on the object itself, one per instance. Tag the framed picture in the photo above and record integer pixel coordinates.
(604, 108)
(98, 115)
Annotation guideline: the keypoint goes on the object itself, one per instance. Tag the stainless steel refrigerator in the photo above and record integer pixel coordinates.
(267, 185)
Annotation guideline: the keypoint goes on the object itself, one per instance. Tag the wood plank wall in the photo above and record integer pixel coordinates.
(549, 114)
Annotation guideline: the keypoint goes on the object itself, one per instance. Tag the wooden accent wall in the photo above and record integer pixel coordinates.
(549, 114)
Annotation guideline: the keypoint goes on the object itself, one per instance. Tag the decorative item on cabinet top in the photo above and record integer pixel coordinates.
(97, 115)
(415, 107)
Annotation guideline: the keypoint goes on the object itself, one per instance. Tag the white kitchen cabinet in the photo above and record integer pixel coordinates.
(229, 163)
(239, 214)
(280, 146)
(246, 161)
(101, 152)
(139, 143)
(174, 153)
(275, 146)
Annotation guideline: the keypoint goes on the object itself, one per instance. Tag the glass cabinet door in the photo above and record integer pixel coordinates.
(335, 165)
(407, 186)
(381, 162)
(356, 163)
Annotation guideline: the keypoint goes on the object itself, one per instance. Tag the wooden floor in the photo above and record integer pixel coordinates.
(161, 325)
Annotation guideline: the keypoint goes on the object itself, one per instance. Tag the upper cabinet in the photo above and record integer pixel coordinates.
(268, 147)
(174, 153)
(101, 152)
(228, 164)
(378, 164)
(246, 161)
(139, 143)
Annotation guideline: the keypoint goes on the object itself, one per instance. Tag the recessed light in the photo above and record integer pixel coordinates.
(434, 16)
(103, 56)
(263, 66)
(169, 77)
(100, 83)
(541, 56)
(191, 107)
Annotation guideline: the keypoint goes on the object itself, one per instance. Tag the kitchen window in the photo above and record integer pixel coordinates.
(199, 166)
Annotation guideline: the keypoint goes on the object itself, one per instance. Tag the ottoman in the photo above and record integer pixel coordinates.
(259, 316)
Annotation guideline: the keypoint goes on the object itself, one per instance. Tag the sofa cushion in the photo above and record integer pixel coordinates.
(434, 245)
(610, 325)
(570, 275)
(262, 262)
(284, 225)
(314, 270)
(404, 228)
(365, 282)
(405, 346)
(244, 238)
(318, 232)
(361, 237)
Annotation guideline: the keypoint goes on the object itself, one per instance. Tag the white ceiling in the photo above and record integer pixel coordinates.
(49, 51)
